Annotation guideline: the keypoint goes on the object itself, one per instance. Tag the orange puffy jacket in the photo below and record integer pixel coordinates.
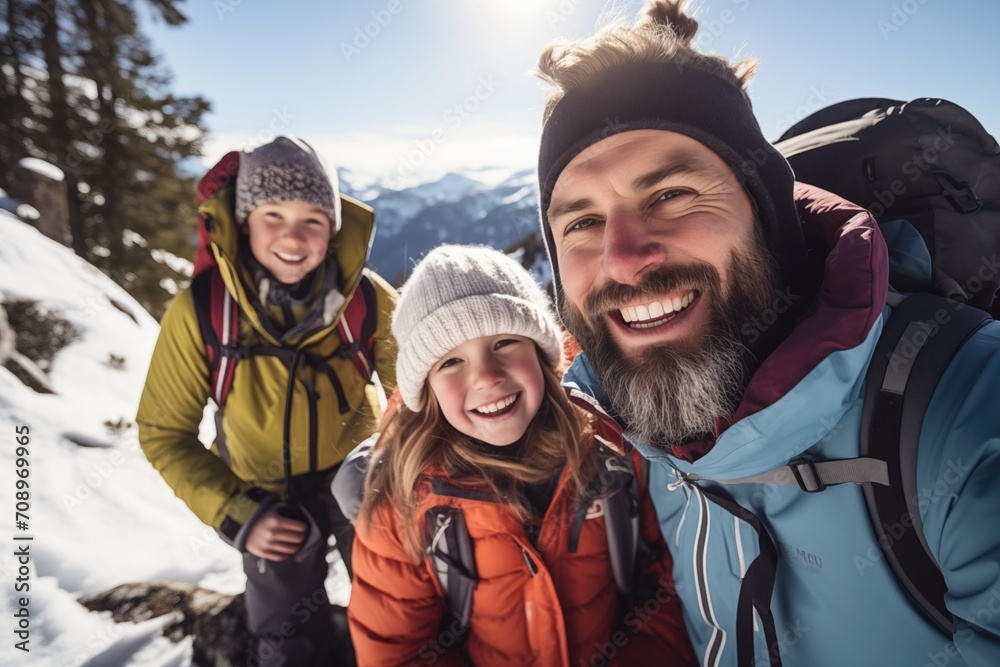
(534, 605)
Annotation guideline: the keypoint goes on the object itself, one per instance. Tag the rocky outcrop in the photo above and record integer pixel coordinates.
(23, 368)
(217, 622)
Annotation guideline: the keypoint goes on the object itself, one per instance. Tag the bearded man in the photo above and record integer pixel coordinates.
(728, 317)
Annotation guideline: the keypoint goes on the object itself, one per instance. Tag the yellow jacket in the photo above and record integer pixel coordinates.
(226, 494)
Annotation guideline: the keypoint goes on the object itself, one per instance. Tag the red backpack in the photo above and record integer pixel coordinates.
(219, 314)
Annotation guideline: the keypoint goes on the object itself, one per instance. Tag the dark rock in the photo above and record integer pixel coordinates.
(8, 337)
(124, 309)
(28, 372)
(216, 621)
(83, 440)
(23, 368)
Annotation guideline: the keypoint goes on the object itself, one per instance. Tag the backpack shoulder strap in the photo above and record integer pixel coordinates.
(449, 548)
(621, 518)
(357, 328)
(219, 322)
(917, 345)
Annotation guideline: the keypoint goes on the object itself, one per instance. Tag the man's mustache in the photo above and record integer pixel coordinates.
(701, 277)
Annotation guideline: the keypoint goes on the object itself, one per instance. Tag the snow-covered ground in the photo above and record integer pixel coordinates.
(99, 515)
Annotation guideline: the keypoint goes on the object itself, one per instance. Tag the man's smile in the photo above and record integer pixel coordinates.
(657, 312)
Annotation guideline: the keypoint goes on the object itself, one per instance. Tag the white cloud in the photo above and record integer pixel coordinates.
(407, 156)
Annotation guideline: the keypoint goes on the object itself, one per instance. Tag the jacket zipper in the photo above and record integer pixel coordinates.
(529, 612)
(532, 568)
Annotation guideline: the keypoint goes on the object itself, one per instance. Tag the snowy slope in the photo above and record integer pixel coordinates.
(99, 515)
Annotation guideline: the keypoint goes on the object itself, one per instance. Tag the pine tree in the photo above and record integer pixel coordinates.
(14, 105)
(139, 202)
(95, 102)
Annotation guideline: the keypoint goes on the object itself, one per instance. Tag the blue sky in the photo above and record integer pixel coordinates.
(414, 88)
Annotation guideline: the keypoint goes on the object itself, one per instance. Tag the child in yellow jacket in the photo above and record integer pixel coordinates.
(290, 251)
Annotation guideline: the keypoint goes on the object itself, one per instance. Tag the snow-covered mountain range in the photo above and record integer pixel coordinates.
(480, 206)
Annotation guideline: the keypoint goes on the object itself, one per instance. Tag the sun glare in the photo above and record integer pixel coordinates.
(508, 14)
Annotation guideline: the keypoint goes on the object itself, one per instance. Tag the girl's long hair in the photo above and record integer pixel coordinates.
(413, 443)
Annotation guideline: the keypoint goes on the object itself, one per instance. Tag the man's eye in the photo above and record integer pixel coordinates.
(581, 224)
(672, 194)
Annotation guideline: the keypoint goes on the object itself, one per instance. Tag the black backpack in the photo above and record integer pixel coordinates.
(929, 162)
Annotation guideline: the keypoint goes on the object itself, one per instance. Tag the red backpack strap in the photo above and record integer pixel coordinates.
(219, 321)
(218, 177)
(357, 328)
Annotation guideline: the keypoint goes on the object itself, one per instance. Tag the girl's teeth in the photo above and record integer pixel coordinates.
(496, 407)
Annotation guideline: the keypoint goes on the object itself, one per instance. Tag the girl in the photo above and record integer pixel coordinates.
(487, 430)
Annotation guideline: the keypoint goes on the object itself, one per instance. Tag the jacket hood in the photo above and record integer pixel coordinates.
(350, 247)
(805, 386)
(849, 301)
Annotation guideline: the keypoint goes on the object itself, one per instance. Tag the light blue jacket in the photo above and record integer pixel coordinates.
(835, 601)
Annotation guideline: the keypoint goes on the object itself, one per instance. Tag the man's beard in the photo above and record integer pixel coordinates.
(671, 393)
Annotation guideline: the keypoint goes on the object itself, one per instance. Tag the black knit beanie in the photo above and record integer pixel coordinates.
(678, 98)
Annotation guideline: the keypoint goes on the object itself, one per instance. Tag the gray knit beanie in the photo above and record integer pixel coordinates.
(458, 293)
(287, 169)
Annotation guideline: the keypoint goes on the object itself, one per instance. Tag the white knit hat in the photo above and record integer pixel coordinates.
(458, 293)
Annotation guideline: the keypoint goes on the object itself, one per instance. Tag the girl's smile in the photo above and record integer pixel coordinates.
(489, 388)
